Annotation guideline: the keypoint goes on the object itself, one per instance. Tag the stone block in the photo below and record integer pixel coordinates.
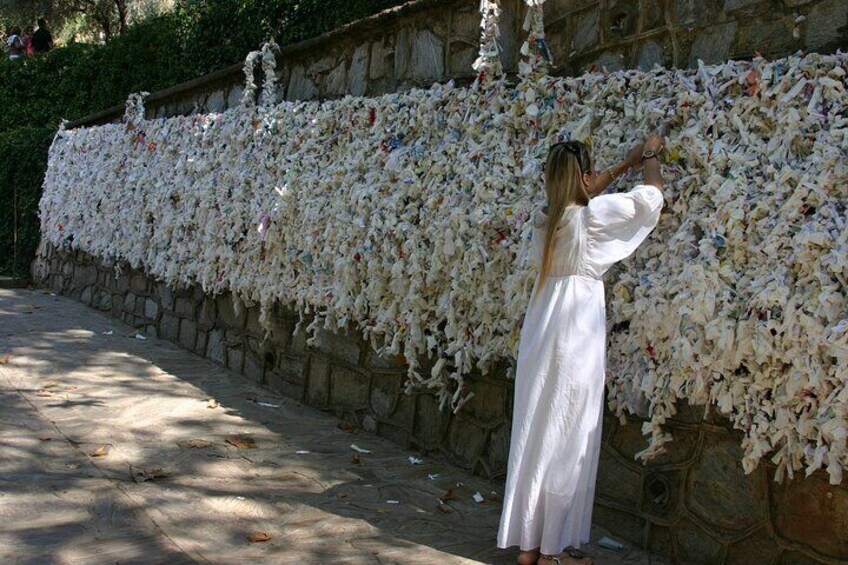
(694, 545)
(129, 302)
(430, 422)
(235, 359)
(827, 26)
(465, 441)
(348, 389)
(216, 101)
(86, 297)
(732, 5)
(253, 326)
(812, 512)
(395, 434)
(342, 347)
(586, 31)
(623, 523)
(151, 309)
(233, 337)
(628, 440)
(253, 368)
(427, 62)
(230, 311)
(386, 362)
(86, 275)
(461, 56)
(151, 331)
(234, 96)
(759, 547)
(403, 53)
(719, 492)
(379, 60)
(335, 83)
(713, 45)
(660, 542)
(618, 482)
(662, 494)
(318, 383)
(215, 349)
(384, 393)
(122, 283)
(488, 404)
(650, 54)
(138, 283)
(200, 344)
(293, 370)
(695, 13)
(188, 334)
(300, 86)
(104, 301)
(356, 76)
(206, 313)
(184, 307)
(169, 327)
(497, 451)
(139, 306)
(610, 61)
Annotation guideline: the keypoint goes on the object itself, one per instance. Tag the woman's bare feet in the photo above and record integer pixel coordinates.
(528, 557)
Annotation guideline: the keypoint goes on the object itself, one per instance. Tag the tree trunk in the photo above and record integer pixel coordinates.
(123, 10)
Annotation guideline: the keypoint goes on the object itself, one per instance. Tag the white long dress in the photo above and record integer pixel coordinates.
(559, 382)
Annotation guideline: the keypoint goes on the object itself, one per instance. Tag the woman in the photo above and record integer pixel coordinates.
(559, 383)
(28, 49)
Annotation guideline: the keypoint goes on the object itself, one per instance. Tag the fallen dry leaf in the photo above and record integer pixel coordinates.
(449, 495)
(4, 360)
(194, 443)
(258, 537)
(101, 451)
(45, 438)
(355, 459)
(140, 475)
(347, 427)
(50, 385)
(212, 403)
(444, 508)
(242, 442)
(43, 393)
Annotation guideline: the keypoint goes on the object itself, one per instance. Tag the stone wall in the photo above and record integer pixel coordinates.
(693, 504)
(426, 41)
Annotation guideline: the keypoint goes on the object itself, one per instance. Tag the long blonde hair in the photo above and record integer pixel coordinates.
(564, 169)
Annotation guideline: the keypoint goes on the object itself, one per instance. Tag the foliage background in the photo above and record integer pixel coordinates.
(197, 37)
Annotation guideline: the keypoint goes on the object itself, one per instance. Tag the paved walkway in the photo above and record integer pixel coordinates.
(115, 449)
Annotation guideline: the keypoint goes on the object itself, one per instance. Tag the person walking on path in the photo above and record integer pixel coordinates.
(15, 43)
(42, 40)
(559, 382)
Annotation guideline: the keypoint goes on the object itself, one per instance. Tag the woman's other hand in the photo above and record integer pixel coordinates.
(652, 143)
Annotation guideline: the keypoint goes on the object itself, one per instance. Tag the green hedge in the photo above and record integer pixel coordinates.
(71, 82)
(22, 167)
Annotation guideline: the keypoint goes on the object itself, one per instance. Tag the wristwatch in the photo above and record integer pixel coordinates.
(648, 154)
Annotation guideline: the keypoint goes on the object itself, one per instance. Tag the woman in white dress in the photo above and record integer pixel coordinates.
(559, 383)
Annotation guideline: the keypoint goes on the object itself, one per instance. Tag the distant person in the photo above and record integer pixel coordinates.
(28, 50)
(42, 41)
(15, 43)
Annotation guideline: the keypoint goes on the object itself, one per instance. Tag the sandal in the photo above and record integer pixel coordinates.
(572, 553)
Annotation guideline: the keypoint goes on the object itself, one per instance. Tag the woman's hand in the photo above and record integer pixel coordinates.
(634, 155)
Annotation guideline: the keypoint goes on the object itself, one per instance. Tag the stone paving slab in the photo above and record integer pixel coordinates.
(89, 412)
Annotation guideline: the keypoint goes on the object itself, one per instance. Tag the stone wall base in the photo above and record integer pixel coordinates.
(693, 504)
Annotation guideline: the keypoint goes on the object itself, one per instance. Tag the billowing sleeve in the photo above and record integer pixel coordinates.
(616, 224)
